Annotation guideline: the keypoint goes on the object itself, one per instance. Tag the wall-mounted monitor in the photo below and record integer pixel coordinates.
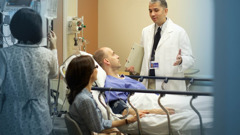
(13, 5)
(10, 7)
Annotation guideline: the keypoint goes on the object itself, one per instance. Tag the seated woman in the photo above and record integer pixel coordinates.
(80, 75)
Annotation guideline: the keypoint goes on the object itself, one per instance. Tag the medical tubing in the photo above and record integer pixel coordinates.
(164, 82)
(189, 84)
(59, 78)
(99, 98)
(166, 111)
(58, 86)
(138, 118)
(197, 112)
(56, 103)
(162, 86)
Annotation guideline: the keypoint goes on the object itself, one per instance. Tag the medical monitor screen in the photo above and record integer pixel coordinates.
(19, 3)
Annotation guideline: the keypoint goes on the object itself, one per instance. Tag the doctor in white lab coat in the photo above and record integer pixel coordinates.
(173, 54)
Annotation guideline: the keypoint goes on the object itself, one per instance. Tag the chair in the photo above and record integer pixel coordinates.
(72, 126)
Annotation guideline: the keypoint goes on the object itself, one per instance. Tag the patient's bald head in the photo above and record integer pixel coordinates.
(100, 55)
(107, 58)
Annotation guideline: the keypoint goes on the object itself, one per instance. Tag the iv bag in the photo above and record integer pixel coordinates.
(51, 12)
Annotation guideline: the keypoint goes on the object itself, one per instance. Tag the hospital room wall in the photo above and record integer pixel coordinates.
(89, 9)
(71, 11)
(65, 42)
(121, 22)
(57, 28)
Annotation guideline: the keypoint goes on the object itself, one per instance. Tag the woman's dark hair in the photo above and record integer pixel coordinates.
(26, 25)
(78, 75)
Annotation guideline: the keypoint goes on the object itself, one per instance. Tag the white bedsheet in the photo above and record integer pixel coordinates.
(185, 121)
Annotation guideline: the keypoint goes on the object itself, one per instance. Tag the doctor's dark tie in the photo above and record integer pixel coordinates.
(156, 41)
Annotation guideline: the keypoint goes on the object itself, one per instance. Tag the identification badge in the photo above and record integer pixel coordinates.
(153, 65)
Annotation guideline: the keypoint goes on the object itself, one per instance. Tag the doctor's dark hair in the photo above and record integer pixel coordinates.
(78, 75)
(163, 3)
(26, 26)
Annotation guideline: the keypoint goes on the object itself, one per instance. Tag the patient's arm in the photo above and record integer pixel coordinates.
(129, 120)
(132, 112)
(153, 111)
(160, 111)
(120, 107)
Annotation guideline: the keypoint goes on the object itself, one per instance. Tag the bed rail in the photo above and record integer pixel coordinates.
(190, 79)
(169, 78)
(136, 111)
(162, 93)
(188, 93)
(199, 115)
(166, 111)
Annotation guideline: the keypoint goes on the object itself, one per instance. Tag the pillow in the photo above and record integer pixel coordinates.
(101, 76)
(63, 67)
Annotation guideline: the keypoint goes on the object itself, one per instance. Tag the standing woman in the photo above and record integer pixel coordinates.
(24, 72)
(80, 75)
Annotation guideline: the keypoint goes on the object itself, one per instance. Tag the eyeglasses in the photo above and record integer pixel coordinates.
(96, 66)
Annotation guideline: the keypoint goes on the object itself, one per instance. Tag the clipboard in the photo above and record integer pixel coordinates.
(135, 57)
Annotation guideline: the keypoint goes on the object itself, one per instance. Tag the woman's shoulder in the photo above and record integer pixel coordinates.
(84, 95)
(45, 49)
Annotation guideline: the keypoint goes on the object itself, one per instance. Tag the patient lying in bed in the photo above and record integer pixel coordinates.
(109, 61)
(184, 121)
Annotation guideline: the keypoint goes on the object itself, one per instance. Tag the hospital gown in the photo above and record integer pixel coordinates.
(24, 73)
(126, 83)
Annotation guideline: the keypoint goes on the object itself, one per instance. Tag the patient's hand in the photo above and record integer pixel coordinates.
(160, 111)
(144, 111)
(130, 69)
(109, 131)
(171, 111)
(134, 118)
(132, 112)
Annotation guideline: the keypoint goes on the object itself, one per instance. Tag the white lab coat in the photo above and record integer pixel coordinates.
(172, 39)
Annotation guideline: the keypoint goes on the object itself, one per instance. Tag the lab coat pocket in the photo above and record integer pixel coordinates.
(170, 56)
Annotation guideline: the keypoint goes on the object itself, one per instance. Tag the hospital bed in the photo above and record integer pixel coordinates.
(184, 122)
